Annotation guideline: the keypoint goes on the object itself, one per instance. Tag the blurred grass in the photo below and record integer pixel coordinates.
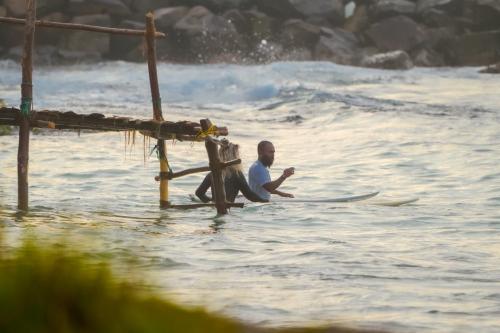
(52, 289)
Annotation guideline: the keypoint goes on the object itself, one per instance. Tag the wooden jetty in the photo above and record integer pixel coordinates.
(159, 128)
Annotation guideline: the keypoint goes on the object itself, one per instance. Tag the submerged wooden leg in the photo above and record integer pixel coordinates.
(218, 190)
(26, 103)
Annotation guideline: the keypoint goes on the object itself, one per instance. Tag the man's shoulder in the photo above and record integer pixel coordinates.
(256, 165)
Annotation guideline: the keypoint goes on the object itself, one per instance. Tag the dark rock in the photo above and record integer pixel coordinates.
(331, 10)
(436, 18)
(297, 54)
(396, 33)
(266, 51)
(201, 34)
(492, 4)
(86, 41)
(15, 8)
(337, 45)
(391, 60)
(44, 7)
(11, 35)
(261, 25)
(486, 15)
(476, 49)
(493, 69)
(90, 7)
(50, 36)
(144, 6)
(359, 20)
(439, 38)
(427, 58)
(449, 6)
(387, 8)
(126, 47)
(166, 18)
(42, 55)
(297, 33)
(76, 57)
(240, 22)
(278, 8)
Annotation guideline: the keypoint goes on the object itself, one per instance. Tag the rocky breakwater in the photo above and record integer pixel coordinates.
(395, 34)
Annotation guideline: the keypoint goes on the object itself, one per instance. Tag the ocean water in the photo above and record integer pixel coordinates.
(430, 266)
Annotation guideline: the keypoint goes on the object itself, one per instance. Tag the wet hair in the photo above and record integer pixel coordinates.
(262, 145)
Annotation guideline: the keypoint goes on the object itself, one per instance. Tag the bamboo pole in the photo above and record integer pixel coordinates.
(26, 105)
(218, 190)
(173, 175)
(84, 27)
(157, 112)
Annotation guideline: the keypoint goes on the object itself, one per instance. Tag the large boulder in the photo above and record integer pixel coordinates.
(332, 10)
(297, 33)
(476, 49)
(125, 47)
(240, 21)
(202, 35)
(450, 6)
(486, 15)
(142, 7)
(50, 36)
(45, 7)
(166, 18)
(337, 45)
(493, 69)
(262, 26)
(391, 60)
(427, 58)
(15, 8)
(90, 7)
(396, 33)
(86, 41)
(359, 20)
(387, 8)
(217, 6)
(436, 18)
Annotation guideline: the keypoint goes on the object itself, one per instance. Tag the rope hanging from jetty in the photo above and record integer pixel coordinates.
(160, 154)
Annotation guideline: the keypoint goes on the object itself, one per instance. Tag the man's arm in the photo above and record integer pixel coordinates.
(283, 194)
(272, 186)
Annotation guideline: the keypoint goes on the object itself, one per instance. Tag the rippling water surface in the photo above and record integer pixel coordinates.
(431, 266)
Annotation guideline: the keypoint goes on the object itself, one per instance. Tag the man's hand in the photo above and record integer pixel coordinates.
(286, 195)
(288, 172)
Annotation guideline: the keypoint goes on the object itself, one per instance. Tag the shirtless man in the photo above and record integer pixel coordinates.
(258, 176)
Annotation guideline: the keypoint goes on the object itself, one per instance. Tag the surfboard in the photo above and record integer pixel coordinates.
(392, 203)
(332, 200)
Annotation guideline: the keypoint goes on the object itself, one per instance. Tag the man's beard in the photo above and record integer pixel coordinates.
(267, 162)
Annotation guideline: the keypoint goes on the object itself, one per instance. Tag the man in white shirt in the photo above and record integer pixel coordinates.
(258, 175)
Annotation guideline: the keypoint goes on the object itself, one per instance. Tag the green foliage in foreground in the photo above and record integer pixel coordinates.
(48, 290)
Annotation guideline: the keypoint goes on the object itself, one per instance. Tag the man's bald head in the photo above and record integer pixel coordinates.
(265, 149)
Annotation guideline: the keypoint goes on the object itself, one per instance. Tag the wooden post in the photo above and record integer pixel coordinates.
(219, 193)
(157, 112)
(26, 105)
